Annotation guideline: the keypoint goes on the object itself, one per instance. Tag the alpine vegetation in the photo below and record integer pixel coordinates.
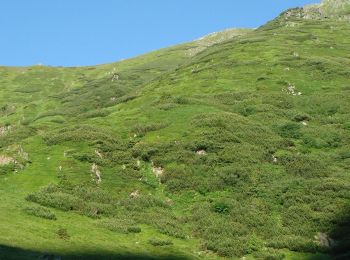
(234, 146)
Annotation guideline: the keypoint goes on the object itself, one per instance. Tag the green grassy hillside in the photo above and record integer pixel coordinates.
(235, 145)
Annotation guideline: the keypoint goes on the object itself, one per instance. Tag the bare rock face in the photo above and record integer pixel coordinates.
(4, 130)
(158, 171)
(4, 160)
(96, 172)
(135, 194)
(98, 154)
(201, 152)
(291, 90)
(274, 159)
(324, 240)
(333, 9)
(23, 154)
(327, 9)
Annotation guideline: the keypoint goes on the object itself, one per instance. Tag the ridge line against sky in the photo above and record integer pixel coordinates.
(90, 32)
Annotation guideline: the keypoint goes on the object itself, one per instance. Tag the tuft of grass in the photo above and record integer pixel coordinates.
(62, 233)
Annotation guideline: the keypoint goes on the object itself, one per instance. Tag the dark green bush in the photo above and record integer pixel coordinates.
(57, 200)
(143, 202)
(221, 207)
(302, 117)
(79, 133)
(230, 175)
(159, 242)
(290, 130)
(134, 229)
(165, 222)
(7, 168)
(304, 165)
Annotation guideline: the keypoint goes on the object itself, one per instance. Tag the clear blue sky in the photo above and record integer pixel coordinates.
(88, 32)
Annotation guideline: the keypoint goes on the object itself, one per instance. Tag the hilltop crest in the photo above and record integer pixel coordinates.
(211, 39)
(333, 9)
(327, 9)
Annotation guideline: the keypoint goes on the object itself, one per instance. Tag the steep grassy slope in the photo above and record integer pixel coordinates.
(238, 149)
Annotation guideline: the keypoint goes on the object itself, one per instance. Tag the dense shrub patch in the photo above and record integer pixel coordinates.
(159, 242)
(40, 212)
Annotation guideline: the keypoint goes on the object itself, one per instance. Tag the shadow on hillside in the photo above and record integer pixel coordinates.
(341, 251)
(341, 234)
(13, 253)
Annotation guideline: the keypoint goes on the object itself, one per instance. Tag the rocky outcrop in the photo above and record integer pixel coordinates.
(4, 130)
(4, 160)
(328, 9)
(336, 9)
(158, 171)
(96, 173)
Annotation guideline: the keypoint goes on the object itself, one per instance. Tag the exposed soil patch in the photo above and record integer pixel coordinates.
(96, 172)
(158, 171)
(4, 160)
(324, 240)
(98, 154)
(201, 152)
(4, 130)
(135, 194)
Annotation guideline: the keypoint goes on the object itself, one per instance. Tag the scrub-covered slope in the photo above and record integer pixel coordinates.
(234, 145)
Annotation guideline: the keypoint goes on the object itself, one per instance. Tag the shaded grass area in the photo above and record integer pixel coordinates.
(13, 253)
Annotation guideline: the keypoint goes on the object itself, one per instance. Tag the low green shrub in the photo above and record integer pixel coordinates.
(142, 129)
(16, 135)
(58, 120)
(7, 168)
(221, 208)
(40, 212)
(305, 165)
(228, 247)
(160, 242)
(167, 106)
(301, 117)
(269, 254)
(295, 243)
(290, 130)
(122, 224)
(164, 221)
(78, 133)
(134, 229)
(59, 200)
(142, 202)
(95, 113)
